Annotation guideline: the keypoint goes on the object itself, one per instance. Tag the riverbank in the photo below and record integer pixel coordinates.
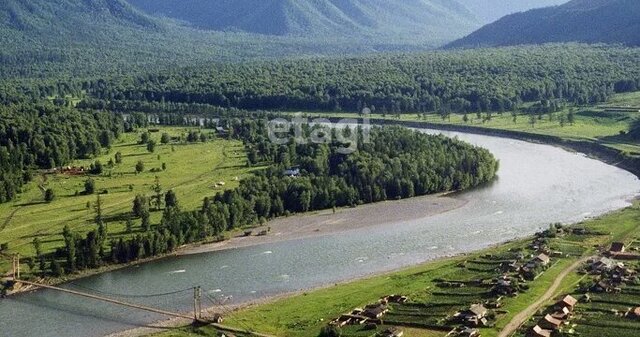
(328, 222)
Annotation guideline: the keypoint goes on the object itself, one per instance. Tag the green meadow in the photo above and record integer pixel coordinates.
(192, 170)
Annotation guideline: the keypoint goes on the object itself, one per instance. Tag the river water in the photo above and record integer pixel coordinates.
(537, 185)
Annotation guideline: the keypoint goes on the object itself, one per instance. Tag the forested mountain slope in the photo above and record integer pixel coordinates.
(409, 21)
(590, 21)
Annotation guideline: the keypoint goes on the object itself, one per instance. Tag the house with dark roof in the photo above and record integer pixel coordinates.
(375, 310)
(617, 247)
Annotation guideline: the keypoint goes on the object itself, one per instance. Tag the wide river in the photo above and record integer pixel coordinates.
(537, 185)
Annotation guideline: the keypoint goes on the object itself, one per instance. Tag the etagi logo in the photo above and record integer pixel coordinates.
(348, 132)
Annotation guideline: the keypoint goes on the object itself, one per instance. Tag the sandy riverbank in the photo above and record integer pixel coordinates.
(343, 220)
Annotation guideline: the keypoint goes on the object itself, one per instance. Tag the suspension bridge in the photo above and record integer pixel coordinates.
(197, 315)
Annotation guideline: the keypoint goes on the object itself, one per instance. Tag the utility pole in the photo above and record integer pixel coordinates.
(197, 303)
(18, 264)
(13, 266)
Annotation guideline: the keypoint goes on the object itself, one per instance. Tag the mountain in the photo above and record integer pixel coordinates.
(491, 10)
(430, 22)
(46, 38)
(588, 21)
(65, 20)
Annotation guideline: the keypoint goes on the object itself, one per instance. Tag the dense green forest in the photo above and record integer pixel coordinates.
(46, 136)
(396, 163)
(466, 81)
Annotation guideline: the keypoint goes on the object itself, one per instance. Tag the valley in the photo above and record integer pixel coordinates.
(329, 168)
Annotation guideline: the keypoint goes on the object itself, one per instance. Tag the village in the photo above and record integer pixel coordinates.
(607, 293)
(476, 294)
(470, 300)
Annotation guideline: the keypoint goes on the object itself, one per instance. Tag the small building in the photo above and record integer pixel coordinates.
(537, 331)
(634, 313)
(617, 247)
(474, 316)
(221, 131)
(375, 310)
(291, 172)
(396, 299)
(562, 314)
(542, 259)
(550, 323)
(602, 264)
(568, 302)
(602, 287)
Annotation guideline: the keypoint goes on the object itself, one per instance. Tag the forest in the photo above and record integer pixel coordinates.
(46, 136)
(462, 81)
(396, 163)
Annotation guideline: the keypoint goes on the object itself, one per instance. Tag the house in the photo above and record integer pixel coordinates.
(568, 302)
(537, 331)
(396, 299)
(375, 310)
(601, 265)
(504, 286)
(542, 259)
(562, 314)
(474, 316)
(617, 247)
(550, 323)
(291, 172)
(602, 287)
(635, 313)
(221, 131)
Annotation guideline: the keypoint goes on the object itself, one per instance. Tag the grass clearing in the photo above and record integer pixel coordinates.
(192, 171)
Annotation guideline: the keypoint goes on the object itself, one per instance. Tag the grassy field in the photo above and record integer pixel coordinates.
(192, 171)
(304, 315)
(591, 123)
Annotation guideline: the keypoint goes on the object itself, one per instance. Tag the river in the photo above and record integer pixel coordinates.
(537, 185)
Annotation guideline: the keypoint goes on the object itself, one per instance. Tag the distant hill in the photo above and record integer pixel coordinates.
(430, 22)
(489, 11)
(589, 21)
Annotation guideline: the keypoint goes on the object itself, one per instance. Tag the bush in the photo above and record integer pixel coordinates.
(330, 331)
(89, 186)
(49, 195)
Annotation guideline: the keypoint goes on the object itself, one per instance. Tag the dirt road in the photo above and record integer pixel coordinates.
(524, 315)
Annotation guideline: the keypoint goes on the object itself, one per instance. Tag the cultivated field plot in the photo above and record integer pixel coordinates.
(192, 170)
